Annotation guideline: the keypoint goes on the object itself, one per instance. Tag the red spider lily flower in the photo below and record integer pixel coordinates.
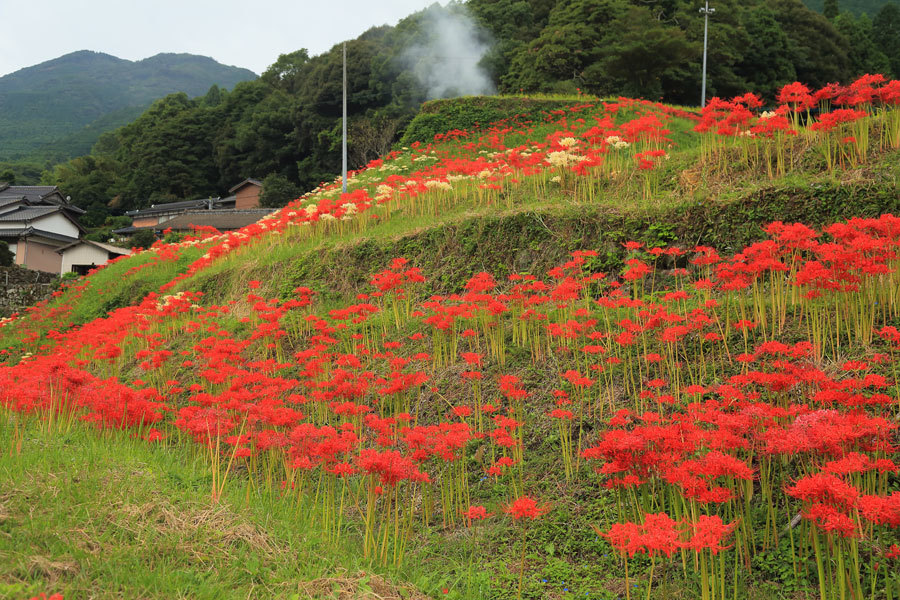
(881, 510)
(797, 95)
(831, 520)
(462, 411)
(525, 507)
(558, 413)
(477, 513)
(472, 358)
(154, 435)
(824, 488)
(708, 533)
(636, 270)
(658, 534)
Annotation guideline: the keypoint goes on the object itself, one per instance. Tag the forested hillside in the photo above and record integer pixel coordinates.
(59, 108)
(285, 126)
(855, 7)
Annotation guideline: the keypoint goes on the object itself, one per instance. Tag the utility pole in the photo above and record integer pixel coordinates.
(344, 123)
(705, 11)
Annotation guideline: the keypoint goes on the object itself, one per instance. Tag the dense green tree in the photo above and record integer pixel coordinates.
(511, 22)
(6, 256)
(265, 137)
(863, 55)
(91, 182)
(214, 96)
(143, 238)
(817, 51)
(277, 191)
(558, 55)
(286, 72)
(21, 173)
(566, 47)
(765, 65)
(886, 34)
(831, 9)
(639, 50)
(727, 42)
(167, 154)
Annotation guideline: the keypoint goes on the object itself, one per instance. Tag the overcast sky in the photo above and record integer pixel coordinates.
(249, 34)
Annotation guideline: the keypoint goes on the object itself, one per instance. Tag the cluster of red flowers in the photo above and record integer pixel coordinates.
(704, 397)
(658, 534)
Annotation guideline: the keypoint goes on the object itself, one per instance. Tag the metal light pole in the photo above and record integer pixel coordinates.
(705, 11)
(344, 124)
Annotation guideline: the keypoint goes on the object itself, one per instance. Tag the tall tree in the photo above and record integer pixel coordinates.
(91, 181)
(566, 47)
(167, 153)
(6, 256)
(214, 96)
(286, 72)
(766, 64)
(639, 50)
(816, 49)
(831, 9)
(886, 34)
(727, 49)
(864, 55)
(277, 191)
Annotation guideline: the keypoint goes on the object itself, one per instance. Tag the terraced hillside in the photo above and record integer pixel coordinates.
(588, 350)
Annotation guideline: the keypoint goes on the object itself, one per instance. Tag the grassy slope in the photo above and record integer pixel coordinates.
(535, 233)
(114, 517)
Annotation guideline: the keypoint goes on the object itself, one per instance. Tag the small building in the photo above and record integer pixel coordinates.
(223, 220)
(83, 255)
(246, 194)
(225, 214)
(158, 214)
(36, 221)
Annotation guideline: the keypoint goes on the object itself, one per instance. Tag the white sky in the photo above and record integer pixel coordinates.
(249, 34)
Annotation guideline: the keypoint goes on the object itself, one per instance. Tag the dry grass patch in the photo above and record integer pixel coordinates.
(361, 586)
(52, 570)
(203, 532)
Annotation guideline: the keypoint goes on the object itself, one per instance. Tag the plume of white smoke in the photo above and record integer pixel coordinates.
(447, 62)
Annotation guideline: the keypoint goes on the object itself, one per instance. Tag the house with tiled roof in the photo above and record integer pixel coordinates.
(225, 214)
(158, 214)
(246, 194)
(36, 221)
(83, 255)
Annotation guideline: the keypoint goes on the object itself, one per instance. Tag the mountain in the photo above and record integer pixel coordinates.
(60, 107)
(856, 7)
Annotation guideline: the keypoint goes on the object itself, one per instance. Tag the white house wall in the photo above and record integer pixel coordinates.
(83, 254)
(57, 223)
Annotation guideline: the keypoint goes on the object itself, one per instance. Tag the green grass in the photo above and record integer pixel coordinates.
(114, 517)
(105, 292)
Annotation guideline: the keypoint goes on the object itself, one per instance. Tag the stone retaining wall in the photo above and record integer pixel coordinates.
(20, 288)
